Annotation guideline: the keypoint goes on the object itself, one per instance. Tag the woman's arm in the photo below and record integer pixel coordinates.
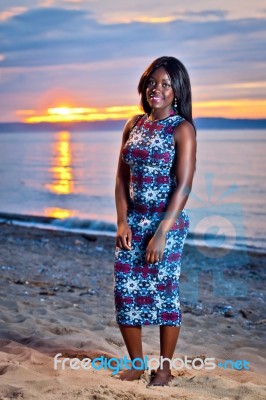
(185, 162)
(186, 147)
(124, 234)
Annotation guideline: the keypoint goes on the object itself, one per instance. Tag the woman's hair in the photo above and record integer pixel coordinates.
(180, 84)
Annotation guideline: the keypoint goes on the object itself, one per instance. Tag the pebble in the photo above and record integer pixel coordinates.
(46, 293)
(99, 248)
(19, 282)
(90, 292)
(4, 267)
(225, 310)
(229, 313)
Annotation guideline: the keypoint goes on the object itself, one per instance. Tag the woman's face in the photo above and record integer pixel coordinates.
(159, 92)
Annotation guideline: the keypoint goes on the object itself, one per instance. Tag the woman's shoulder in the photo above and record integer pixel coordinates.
(184, 130)
(132, 121)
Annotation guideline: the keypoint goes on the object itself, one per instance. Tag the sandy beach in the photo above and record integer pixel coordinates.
(56, 294)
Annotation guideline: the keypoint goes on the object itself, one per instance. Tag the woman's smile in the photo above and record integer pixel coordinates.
(156, 97)
(159, 92)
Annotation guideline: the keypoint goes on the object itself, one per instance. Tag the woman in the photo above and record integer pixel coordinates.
(154, 178)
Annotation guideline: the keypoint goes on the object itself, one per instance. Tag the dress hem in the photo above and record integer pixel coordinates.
(148, 324)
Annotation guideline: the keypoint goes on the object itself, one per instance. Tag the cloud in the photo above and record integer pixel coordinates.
(51, 36)
(207, 13)
(11, 12)
(115, 11)
(102, 62)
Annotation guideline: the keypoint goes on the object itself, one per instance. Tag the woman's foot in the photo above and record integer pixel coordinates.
(130, 374)
(161, 378)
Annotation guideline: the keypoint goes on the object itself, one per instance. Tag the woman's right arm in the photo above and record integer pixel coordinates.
(124, 233)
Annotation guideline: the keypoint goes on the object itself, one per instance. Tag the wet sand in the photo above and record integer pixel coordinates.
(56, 295)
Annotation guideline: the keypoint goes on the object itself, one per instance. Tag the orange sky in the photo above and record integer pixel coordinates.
(71, 60)
(242, 108)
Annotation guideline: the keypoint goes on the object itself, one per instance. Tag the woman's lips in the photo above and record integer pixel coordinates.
(156, 98)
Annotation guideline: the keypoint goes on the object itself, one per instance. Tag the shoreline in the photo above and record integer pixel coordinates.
(85, 226)
(56, 296)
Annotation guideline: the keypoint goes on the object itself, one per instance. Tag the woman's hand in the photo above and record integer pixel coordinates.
(155, 248)
(123, 236)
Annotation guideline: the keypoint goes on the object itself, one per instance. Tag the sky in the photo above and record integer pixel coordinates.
(82, 59)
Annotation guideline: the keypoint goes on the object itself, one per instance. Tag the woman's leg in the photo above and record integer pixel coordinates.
(168, 340)
(133, 341)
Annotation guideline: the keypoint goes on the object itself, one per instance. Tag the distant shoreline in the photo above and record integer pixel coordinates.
(111, 125)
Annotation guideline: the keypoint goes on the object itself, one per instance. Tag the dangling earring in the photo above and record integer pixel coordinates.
(175, 104)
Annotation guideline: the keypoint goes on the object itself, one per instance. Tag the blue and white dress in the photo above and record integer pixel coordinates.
(148, 294)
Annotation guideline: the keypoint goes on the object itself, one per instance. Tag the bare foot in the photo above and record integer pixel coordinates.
(130, 374)
(161, 378)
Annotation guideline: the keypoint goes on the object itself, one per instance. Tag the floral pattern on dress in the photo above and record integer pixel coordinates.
(148, 294)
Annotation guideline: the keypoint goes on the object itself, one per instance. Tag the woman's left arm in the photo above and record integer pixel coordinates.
(184, 168)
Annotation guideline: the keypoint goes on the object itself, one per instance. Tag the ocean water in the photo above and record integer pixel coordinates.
(70, 177)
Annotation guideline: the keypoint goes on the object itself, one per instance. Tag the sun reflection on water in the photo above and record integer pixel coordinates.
(62, 173)
(61, 169)
(59, 213)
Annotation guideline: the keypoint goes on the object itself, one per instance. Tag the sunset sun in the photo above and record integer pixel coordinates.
(75, 114)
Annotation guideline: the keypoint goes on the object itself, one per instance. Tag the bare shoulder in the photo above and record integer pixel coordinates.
(132, 120)
(129, 125)
(184, 132)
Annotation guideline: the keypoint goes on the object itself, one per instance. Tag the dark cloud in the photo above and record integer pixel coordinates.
(52, 36)
(207, 13)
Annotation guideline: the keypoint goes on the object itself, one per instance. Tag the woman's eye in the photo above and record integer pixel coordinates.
(152, 83)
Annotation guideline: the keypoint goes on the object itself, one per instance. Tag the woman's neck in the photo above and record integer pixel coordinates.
(156, 115)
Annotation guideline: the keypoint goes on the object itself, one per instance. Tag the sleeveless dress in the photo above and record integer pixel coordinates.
(148, 294)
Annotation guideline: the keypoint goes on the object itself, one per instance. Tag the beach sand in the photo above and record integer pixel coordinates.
(56, 294)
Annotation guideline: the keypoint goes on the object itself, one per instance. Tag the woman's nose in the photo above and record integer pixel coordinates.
(156, 87)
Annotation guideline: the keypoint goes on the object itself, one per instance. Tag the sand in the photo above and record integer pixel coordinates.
(56, 296)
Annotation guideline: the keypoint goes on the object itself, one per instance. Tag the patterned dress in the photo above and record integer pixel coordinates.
(148, 294)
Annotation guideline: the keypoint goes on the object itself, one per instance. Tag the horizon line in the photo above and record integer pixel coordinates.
(122, 119)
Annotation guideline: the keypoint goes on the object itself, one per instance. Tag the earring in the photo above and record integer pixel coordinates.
(175, 104)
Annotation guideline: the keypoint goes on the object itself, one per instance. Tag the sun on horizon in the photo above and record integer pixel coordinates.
(239, 108)
(76, 114)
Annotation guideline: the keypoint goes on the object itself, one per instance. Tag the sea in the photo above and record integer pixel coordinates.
(65, 180)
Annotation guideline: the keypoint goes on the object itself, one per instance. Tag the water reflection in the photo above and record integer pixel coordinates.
(60, 213)
(61, 170)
